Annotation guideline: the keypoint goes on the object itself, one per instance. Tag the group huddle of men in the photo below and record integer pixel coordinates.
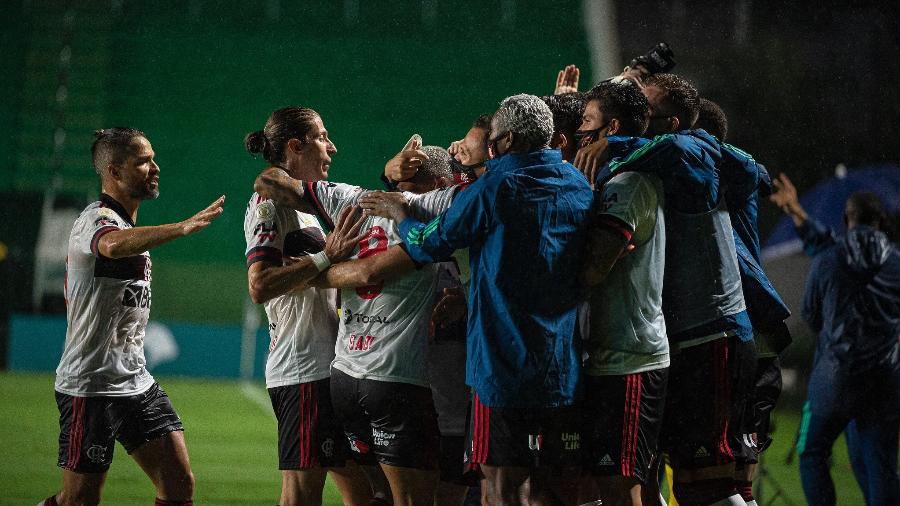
(569, 293)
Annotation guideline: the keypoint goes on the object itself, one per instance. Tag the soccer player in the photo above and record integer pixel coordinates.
(706, 316)
(626, 369)
(525, 221)
(748, 181)
(285, 250)
(103, 389)
(379, 379)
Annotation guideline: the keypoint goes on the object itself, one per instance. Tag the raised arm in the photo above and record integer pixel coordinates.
(815, 236)
(275, 184)
(120, 243)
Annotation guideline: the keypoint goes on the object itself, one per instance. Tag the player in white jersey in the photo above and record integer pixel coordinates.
(627, 365)
(379, 374)
(103, 389)
(285, 250)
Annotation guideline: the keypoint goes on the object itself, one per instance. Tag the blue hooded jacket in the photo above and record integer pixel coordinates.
(687, 163)
(746, 182)
(524, 222)
(852, 301)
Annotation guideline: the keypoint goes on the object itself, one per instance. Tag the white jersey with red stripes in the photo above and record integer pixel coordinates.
(107, 307)
(302, 324)
(384, 327)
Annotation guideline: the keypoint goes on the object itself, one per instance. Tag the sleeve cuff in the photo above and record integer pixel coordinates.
(263, 253)
(95, 241)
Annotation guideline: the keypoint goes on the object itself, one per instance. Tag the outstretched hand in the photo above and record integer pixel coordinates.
(784, 195)
(345, 237)
(202, 219)
(591, 158)
(391, 205)
(567, 80)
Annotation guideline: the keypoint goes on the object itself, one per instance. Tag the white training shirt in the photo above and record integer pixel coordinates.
(384, 328)
(302, 324)
(627, 327)
(107, 307)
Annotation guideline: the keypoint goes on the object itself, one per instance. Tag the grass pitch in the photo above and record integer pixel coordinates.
(231, 438)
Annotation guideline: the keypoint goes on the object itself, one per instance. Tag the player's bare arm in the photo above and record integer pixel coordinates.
(605, 247)
(386, 266)
(267, 280)
(785, 197)
(391, 205)
(275, 184)
(134, 241)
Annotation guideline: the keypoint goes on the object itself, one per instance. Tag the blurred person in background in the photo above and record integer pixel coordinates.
(285, 250)
(104, 391)
(852, 301)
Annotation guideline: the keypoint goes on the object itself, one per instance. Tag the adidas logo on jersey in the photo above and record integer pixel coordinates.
(701, 452)
(607, 461)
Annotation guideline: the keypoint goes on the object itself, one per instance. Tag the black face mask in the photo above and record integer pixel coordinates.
(493, 150)
(585, 137)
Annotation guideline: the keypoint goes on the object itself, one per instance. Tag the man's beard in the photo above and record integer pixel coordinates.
(145, 192)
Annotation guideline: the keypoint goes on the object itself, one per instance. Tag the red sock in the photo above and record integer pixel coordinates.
(745, 488)
(161, 502)
(51, 501)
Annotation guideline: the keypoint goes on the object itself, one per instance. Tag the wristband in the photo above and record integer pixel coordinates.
(320, 260)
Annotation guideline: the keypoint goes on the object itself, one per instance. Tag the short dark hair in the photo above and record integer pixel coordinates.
(283, 125)
(112, 146)
(712, 119)
(483, 122)
(865, 208)
(681, 98)
(567, 110)
(624, 102)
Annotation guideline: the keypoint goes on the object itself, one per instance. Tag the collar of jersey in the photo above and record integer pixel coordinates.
(117, 207)
(518, 160)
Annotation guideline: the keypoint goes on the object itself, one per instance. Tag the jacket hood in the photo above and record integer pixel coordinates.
(865, 249)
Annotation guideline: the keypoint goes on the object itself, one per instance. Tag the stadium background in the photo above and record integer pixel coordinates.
(802, 86)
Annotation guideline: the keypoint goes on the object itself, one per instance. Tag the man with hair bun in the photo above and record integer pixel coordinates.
(285, 251)
(104, 391)
(524, 221)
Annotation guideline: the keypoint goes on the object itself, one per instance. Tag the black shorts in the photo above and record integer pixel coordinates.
(523, 437)
(309, 434)
(393, 423)
(622, 420)
(451, 462)
(754, 436)
(709, 385)
(90, 426)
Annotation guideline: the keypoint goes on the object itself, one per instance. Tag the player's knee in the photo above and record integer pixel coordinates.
(178, 484)
(702, 492)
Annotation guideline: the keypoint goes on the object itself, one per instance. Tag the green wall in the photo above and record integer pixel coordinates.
(197, 76)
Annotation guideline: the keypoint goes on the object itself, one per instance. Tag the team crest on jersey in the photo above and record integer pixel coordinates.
(265, 210)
